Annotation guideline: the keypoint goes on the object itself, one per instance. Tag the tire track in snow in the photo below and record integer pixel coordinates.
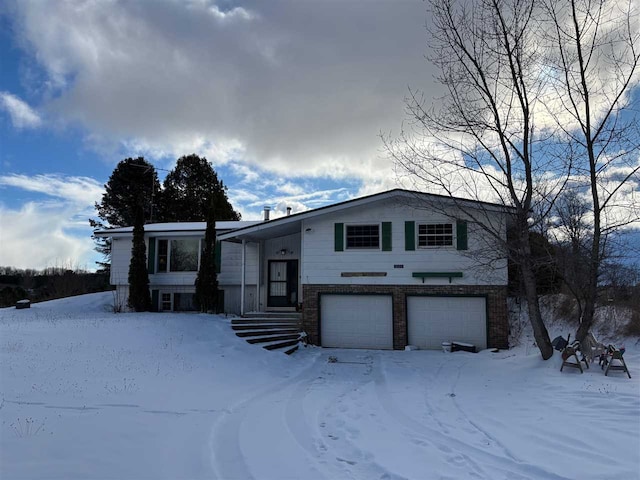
(446, 443)
(352, 461)
(228, 459)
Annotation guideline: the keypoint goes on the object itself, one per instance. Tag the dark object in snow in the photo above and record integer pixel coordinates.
(614, 354)
(463, 347)
(332, 359)
(20, 304)
(570, 352)
(559, 343)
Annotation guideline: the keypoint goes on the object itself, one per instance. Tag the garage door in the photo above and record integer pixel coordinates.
(433, 320)
(356, 321)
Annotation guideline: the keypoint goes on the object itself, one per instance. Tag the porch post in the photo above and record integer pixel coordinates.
(258, 277)
(242, 276)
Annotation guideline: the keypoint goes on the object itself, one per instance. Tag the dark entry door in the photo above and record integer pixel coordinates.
(283, 283)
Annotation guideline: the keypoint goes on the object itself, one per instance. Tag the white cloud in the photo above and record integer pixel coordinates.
(38, 235)
(21, 114)
(48, 232)
(78, 190)
(297, 88)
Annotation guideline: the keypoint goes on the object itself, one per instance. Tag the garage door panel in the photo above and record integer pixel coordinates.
(356, 321)
(433, 320)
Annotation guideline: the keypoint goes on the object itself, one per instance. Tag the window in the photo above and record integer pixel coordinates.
(163, 255)
(166, 302)
(435, 235)
(184, 302)
(363, 236)
(177, 302)
(178, 255)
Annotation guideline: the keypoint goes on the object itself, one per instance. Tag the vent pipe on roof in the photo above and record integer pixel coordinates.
(288, 211)
(266, 213)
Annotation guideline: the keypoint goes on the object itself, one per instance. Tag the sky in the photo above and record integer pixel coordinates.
(287, 99)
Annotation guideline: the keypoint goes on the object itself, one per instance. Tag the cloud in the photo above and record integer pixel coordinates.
(38, 235)
(21, 114)
(53, 231)
(297, 88)
(77, 190)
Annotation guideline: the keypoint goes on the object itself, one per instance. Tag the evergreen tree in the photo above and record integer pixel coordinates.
(139, 297)
(133, 180)
(207, 280)
(191, 189)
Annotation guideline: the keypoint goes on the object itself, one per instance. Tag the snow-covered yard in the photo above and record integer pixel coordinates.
(85, 393)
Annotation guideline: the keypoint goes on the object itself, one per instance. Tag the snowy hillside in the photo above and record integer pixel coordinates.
(85, 394)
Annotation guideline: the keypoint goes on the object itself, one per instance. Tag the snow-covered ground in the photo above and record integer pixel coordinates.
(85, 393)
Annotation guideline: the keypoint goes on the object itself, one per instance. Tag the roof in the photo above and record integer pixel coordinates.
(291, 224)
(175, 227)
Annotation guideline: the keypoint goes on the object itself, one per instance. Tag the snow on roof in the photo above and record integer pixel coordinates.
(178, 227)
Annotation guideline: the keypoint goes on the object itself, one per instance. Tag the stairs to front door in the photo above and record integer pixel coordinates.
(277, 331)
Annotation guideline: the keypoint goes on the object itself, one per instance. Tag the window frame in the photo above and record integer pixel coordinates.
(436, 235)
(167, 265)
(347, 226)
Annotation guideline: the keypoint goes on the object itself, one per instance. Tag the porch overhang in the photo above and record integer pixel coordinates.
(263, 231)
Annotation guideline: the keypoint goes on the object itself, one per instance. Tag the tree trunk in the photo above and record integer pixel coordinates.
(540, 332)
(591, 293)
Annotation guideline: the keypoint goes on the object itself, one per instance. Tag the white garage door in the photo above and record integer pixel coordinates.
(433, 320)
(356, 321)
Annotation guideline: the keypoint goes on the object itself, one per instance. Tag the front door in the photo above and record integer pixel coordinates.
(283, 283)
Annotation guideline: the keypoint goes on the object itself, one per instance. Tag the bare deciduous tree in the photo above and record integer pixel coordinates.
(593, 58)
(482, 143)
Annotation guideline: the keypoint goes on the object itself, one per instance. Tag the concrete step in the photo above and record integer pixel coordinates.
(278, 344)
(244, 321)
(290, 350)
(273, 338)
(265, 326)
(258, 333)
(272, 315)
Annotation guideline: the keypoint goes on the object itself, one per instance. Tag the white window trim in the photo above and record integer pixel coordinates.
(169, 272)
(162, 302)
(363, 249)
(432, 247)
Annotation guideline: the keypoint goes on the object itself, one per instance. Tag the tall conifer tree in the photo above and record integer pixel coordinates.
(139, 297)
(207, 280)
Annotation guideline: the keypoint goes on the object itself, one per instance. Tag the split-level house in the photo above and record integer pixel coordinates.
(384, 271)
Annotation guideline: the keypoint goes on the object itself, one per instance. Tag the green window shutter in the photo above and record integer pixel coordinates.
(217, 252)
(151, 258)
(386, 236)
(461, 234)
(339, 237)
(409, 235)
(155, 295)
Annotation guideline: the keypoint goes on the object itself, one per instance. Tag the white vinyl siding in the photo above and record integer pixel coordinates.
(324, 265)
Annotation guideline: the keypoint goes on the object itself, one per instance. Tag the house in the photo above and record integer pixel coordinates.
(384, 271)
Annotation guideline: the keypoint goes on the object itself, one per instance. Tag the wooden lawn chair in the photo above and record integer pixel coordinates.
(569, 353)
(616, 355)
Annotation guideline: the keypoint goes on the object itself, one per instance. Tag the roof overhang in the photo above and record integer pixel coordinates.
(172, 229)
(293, 223)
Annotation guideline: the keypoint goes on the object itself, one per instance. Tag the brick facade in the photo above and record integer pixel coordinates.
(497, 321)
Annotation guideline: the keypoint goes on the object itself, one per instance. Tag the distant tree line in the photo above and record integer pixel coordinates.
(50, 283)
(191, 192)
